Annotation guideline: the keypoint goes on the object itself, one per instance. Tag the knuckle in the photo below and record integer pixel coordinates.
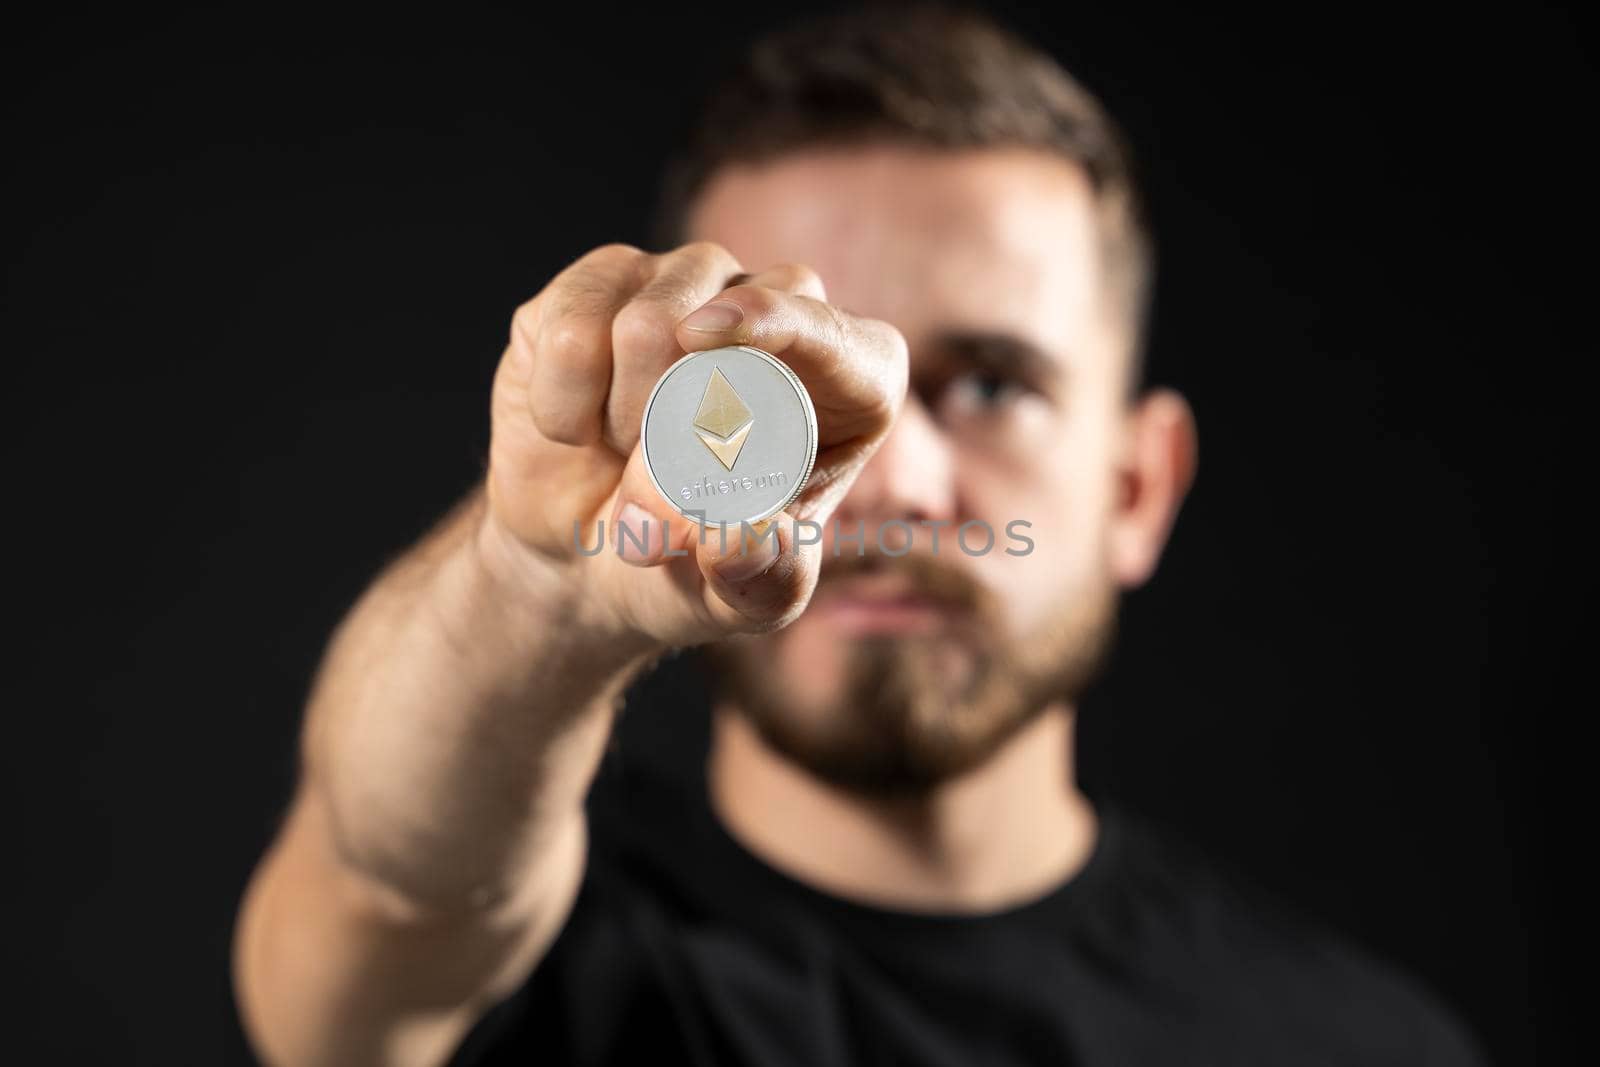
(803, 278)
(700, 259)
(547, 417)
(614, 253)
(561, 424)
(525, 321)
(839, 324)
(898, 370)
(895, 346)
(840, 333)
(640, 327)
(702, 251)
(681, 275)
(597, 280)
(572, 343)
(669, 294)
(889, 371)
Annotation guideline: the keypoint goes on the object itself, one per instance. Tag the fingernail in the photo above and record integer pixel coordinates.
(715, 317)
(639, 535)
(749, 560)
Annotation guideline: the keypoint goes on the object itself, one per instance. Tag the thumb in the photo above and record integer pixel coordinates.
(757, 576)
(644, 529)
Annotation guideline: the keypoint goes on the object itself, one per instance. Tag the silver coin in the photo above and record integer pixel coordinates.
(729, 435)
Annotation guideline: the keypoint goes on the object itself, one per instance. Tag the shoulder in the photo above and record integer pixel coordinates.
(1214, 939)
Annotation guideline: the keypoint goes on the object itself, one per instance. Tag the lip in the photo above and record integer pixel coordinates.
(881, 605)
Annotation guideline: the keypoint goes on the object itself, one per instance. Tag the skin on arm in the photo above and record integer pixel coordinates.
(436, 839)
(426, 860)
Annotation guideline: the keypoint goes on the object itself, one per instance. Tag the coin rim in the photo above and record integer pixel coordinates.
(805, 404)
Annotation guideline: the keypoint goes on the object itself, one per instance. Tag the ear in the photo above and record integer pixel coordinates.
(1159, 456)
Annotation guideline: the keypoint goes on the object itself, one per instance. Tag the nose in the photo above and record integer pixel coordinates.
(911, 476)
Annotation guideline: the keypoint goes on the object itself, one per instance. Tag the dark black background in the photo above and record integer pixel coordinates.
(260, 269)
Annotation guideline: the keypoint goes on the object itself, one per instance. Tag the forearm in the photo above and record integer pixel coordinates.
(459, 717)
(436, 843)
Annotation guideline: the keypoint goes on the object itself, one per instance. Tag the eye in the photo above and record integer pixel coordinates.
(981, 392)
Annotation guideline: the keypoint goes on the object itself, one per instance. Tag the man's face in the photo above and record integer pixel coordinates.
(906, 669)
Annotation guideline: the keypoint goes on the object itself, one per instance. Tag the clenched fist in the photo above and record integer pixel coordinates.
(568, 399)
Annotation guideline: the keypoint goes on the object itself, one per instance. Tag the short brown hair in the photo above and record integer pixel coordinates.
(928, 74)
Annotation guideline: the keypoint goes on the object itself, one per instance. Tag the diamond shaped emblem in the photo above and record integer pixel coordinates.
(723, 421)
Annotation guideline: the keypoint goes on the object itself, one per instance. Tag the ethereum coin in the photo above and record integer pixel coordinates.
(729, 435)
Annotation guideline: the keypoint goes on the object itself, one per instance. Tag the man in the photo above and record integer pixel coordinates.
(887, 860)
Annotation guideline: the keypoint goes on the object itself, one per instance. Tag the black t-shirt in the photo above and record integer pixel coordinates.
(684, 947)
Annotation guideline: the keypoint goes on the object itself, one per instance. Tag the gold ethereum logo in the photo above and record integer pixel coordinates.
(723, 421)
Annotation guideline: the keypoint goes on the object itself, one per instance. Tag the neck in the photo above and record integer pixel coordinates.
(1006, 832)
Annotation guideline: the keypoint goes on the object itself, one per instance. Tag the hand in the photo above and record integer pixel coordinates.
(568, 398)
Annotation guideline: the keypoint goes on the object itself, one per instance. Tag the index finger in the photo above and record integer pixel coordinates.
(854, 367)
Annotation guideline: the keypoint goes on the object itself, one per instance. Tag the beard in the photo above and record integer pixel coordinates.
(913, 710)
